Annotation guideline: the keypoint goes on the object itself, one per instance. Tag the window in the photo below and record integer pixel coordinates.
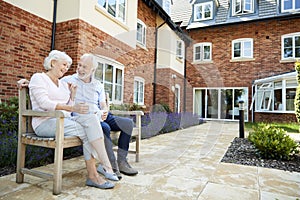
(179, 49)
(290, 5)
(242, 7)
(110, 74)
(139, 91)
(177, 98)
(116, 8)
(141, 33)
(276, 95)
(202, 52)
(203, 11)
(290, 46)
(242, 48)
(166, 4)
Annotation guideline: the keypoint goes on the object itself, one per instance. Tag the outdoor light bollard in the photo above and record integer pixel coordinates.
(241, 113)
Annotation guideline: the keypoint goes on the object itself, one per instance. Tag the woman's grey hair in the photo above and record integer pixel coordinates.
(56, 55)
(91, 56)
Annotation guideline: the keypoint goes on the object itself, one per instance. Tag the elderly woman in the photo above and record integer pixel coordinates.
(48, 92)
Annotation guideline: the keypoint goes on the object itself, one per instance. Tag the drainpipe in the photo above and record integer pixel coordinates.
(184, 78)
(53, 25)
(155, 63)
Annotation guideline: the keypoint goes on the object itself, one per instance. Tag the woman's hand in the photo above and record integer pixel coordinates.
(22, 83)
(73, 89)
(81, 108)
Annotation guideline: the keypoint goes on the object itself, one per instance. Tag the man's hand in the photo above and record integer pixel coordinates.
(22, 83)
(104, 115)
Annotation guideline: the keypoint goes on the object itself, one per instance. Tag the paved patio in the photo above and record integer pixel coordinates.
(180, 165)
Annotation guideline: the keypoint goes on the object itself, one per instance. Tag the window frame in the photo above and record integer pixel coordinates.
(143, 34)
(271, 85)
(117, 10)
(292, 36)
(202, 46)
(139, 80)
(293, 9)
(179, 49)
(241, 4)
(116, 67)
(202, 5)
(242, 48)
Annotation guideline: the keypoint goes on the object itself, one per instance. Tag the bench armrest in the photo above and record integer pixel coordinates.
(34, 113)
(122, 112)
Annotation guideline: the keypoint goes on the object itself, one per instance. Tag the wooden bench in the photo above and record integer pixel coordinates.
(26, 136)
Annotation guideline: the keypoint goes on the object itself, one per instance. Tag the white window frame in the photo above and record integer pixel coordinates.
(116, 66)
(142, 33)
(291, 9)
(202, 51)
(243, 48)
(241, 5)
(166, 4)
(138, 82)
(293, 47)
(202, 7)
(179, 49)
(117, 10)
(177, 100)
(267, 88)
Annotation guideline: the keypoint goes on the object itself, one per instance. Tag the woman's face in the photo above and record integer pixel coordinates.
(60, 67)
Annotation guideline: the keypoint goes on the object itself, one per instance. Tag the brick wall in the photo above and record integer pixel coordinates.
(224, 73)
(274, 117)
(165, 82)
(25, 40)
(77, 37)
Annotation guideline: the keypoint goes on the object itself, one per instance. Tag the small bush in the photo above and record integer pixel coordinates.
(273, 142)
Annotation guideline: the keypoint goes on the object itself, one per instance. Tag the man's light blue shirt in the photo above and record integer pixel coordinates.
(91, 93)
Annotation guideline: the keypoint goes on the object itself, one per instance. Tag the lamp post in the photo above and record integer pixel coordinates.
(241, 113)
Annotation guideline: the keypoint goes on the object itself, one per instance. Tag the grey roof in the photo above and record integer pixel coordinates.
(264, 9)
(181, 11)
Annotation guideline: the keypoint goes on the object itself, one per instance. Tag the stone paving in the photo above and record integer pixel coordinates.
(184, 164)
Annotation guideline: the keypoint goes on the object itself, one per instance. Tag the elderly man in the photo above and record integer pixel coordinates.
(91, 91)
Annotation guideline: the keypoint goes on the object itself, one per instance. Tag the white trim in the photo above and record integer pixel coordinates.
(242, 42)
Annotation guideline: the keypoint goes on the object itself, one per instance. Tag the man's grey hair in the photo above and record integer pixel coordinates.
(56, 55)
(91, 56)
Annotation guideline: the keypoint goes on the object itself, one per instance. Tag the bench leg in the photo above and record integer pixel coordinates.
(20, 162)
(57, 175)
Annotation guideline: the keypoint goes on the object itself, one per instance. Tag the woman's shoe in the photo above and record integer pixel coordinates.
(110, 176)
(106, 185)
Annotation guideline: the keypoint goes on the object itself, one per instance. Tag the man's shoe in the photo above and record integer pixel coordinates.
(126, 169)
(118, 173)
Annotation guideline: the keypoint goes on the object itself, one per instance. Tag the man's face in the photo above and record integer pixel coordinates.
(85, 69)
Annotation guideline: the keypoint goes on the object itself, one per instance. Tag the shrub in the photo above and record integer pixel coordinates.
(273, 142)
(155, 123)
(297, 98)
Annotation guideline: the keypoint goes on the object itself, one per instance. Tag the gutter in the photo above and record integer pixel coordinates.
(53, 26)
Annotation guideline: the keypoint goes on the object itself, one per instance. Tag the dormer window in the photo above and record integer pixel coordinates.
(290, 5)
(240, 7)
(203, 11)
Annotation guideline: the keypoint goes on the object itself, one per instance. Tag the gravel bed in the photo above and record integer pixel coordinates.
(242, 152)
